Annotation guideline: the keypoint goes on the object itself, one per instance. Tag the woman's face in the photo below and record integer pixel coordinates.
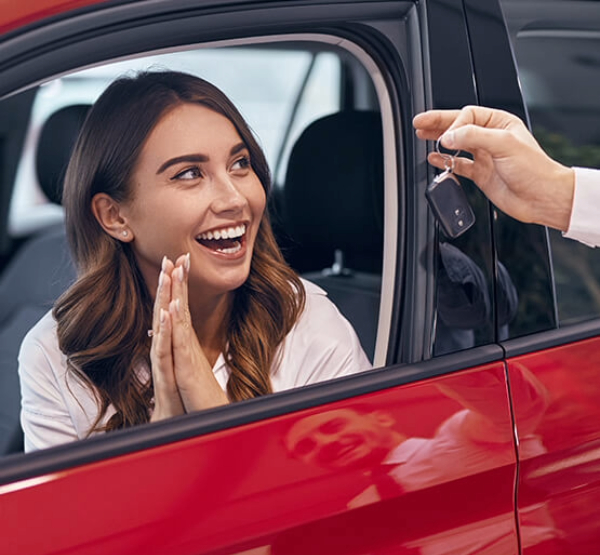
(195, 191)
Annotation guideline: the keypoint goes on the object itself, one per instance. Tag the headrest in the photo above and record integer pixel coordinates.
(55, 144)
(334, 188)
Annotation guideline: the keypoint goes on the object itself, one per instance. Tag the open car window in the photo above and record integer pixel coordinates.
(306, 102)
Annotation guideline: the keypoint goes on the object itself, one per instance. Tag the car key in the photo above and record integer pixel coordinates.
(448, 200)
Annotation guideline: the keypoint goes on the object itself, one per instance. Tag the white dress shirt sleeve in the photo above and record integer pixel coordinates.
(584, 225)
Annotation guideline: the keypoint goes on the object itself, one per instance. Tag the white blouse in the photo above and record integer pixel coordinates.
(57, 408)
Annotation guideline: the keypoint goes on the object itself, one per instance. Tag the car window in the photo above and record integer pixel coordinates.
(557, 52)
(320, 147)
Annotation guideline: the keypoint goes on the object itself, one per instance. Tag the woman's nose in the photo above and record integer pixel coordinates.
(227, 196)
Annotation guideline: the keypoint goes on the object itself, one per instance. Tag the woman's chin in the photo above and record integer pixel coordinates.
(225, 282)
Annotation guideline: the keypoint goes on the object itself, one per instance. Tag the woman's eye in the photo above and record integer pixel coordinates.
(190, 173)
(242, 163)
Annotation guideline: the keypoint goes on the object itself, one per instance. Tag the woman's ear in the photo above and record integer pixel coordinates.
(109, 215)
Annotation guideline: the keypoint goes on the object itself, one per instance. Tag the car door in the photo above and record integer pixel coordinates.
(556, 48)
(415, 456)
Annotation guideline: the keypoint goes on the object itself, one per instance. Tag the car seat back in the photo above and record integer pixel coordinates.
(38, 273)
(333, 213)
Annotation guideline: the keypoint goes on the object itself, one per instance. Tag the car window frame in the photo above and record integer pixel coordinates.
(239, 413)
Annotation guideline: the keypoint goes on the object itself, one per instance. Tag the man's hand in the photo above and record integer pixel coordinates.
(508, 164)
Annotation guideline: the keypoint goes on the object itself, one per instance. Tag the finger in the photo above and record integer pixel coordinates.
(482, 116)
(182, 333)
(434, 121)
(163, 292)
(462, 166)
(432, 124)
(499, 143)
(161, 342)
(167, 398)
(429, 134)
(161, 354)
(179, 288)
(183, 260)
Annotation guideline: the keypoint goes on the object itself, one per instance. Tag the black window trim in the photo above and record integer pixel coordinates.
(537, 342)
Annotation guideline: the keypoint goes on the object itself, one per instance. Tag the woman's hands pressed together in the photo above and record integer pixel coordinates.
(182, 376)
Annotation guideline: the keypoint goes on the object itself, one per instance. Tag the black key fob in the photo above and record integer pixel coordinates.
(449, 204)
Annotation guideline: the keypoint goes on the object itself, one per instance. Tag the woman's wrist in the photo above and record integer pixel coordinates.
(201, 392)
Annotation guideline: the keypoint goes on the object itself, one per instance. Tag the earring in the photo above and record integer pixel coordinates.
(124, 233)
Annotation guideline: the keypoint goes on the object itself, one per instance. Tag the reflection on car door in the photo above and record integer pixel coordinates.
(419, 468)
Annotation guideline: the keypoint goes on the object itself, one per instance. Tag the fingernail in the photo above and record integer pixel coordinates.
(448, 139)
(163, 265)
(163, 316)
(161, 278)
(180, 273)
(187, 262)
(175, 306)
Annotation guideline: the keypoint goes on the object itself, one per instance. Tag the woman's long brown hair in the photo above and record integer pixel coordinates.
(103, 317)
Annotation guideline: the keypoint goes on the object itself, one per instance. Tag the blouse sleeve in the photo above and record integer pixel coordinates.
(56, 407)
(584, 226)
(45, 418)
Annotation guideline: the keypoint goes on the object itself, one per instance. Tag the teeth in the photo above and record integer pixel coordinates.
(231, 250)
(225, 233)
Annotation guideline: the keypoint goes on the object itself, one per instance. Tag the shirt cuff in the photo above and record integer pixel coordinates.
(584, 225)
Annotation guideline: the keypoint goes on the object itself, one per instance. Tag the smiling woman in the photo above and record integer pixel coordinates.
(183, 300)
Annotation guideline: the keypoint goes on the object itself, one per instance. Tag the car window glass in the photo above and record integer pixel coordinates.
(558, 57)
(464, 307)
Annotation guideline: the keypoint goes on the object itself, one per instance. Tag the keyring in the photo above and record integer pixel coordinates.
(449, 159)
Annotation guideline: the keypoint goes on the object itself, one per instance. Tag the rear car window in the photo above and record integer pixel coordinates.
(558, 57)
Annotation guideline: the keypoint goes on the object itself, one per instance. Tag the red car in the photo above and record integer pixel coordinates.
(477, 431)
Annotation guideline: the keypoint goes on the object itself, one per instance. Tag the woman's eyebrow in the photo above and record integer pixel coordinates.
(185, 158)
(198, 158)
(237, 148)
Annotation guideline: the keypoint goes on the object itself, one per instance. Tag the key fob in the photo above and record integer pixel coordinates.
(449, 204)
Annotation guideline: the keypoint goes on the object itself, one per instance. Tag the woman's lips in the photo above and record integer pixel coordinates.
(226, 240)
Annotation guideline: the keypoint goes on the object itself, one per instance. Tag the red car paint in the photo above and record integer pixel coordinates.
(448, 472)
(243, 489)
(14, 15)
(564, 476)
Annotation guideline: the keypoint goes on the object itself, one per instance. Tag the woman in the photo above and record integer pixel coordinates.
(183, 300)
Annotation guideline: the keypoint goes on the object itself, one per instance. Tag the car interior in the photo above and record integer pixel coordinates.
(327, 213)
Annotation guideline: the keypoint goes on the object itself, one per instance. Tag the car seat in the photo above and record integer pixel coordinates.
(38, 273)
(332, 211)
